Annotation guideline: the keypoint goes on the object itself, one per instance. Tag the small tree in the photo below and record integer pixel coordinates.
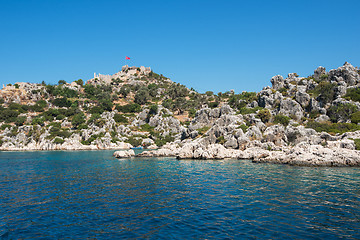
(62, 102)
(142, 96)
(78, 119)
(80, 82)
(61, 82)
(282, 119)
(153, 109)
(120, 118)
(124, 91)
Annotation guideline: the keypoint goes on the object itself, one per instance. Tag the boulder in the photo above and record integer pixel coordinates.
(277, 82)
(291, 108)
(124, 154)
(347, 73)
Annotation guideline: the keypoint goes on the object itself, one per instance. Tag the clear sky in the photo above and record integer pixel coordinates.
(208, 45)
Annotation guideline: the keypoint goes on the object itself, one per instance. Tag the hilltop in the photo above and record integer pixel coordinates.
(139, 107)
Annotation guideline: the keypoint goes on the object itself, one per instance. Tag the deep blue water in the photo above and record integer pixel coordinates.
(90, 194)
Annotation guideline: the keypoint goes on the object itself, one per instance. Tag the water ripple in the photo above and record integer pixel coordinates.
(80, 195)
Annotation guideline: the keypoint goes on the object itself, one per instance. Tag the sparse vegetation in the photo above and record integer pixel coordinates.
(282, 119)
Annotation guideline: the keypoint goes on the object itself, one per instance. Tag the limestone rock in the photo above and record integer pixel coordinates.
(277, 82)
(291, 108)
(347, 73)
(124, 154)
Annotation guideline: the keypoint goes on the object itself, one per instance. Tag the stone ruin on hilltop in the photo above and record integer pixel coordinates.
(126, 73)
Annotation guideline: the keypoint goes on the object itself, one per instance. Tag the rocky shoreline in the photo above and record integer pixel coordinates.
(312, 121)
(340, 154)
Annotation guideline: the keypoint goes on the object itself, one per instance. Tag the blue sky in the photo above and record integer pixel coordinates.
(208, 45)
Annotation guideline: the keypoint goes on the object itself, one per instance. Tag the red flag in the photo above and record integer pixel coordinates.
(127, 58)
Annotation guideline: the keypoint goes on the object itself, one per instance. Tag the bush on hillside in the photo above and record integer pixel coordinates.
(62, 102)
(8, 115)
(324, 91)
(78, 119)
(20, 121)
(341, 112)
(333, 128)
(142, 96)
(129, 108)
(282, 119)
(264, 115)
(58, 140)
(353, 94)
(119, 118)
(355, 117)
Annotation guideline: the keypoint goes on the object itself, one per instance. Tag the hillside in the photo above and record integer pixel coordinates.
(139, 107)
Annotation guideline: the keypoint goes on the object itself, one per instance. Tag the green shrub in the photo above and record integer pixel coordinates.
(153, 109)
(78, 119)
(119, 118)
(62, 102)
(203, 130)
(241, 100)
(283, 91)
(60, 117)
(160, 141)
(324, 91)
(38, 121)
(220, 140)
(282, 119)
(129, 108)
(8, 115)
(357, 143)
(96, 110)
(245, 110)
(209, 93)
(142, 96)
(147, 128)
(324, 77)
(353, 94)
(82, 126)
(18, 107)
(93, 138)
(20, 121)
(355, 117)
(264, 115)
(341, 111)
(58, 140)
(80, 82)
(243, 127)
(106, 104)
(4, 126)
(36, 108)
(213, 104)
(333, 128)
(57, 131)
(135, 141)
(97, 120)
(314, 114)
(191, 112)
(124, 91)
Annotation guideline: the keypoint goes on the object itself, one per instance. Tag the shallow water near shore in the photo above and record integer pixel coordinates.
(90, 194)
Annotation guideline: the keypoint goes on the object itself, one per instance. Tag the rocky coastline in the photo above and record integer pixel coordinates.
(306, 121)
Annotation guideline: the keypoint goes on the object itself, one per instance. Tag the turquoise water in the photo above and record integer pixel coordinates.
(90, 194)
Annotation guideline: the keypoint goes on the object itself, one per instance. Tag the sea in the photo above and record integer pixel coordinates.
(92, 195)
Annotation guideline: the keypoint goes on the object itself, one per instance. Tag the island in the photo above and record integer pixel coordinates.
(309, 121)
